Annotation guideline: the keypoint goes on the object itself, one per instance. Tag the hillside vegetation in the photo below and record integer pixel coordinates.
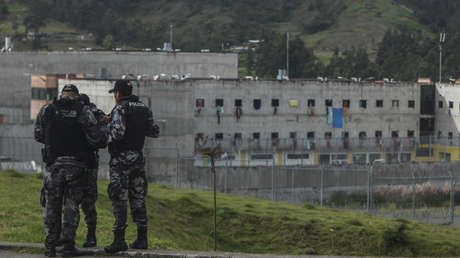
(362, 39)
(182, 219)
(323, 24)
(17, 19)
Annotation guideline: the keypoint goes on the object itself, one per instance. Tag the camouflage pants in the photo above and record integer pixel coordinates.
(63, 183)
(128, 182)
(88, 204)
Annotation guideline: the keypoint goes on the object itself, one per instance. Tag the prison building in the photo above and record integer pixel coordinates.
(299, 122)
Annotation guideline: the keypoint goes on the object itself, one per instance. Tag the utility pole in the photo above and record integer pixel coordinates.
(287, 54)
(442, 39)
(212, 154)
(171, 35)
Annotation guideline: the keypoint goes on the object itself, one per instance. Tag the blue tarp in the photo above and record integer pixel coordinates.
(337, 118)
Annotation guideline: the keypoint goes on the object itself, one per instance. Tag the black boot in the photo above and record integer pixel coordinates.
(90, 238)
(70, 251)
(118, 244)
(50, 252)
(141, 241)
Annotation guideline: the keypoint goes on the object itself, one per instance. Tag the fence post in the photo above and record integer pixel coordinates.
(273, 179)
(452, 197)
(226, 176)
(430, 149)
(321, 194)
(414, 192)
(369, 187)
(292, 185)
(177, 166)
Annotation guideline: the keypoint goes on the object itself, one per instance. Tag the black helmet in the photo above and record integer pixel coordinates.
(84, 99)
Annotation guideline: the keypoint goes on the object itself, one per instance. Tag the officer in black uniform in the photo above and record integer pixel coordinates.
(88, 204)
(129, 123)
(67, 130)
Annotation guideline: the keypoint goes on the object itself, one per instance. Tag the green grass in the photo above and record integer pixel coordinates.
(363, 25)
(182, 219)
(19, 10)
(16, 7)
(324, 56)
(53, 26)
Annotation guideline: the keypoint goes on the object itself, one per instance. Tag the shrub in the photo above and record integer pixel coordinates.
(395, 237)
(309, 206)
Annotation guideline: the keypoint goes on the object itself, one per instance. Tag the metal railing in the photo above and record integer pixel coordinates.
(323, 144)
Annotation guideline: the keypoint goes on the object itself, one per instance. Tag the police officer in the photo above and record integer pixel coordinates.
(129, 123)
(67, 130)
(88, 204)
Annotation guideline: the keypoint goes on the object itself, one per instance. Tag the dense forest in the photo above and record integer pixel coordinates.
(404, 53)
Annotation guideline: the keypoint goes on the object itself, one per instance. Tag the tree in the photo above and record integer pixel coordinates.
(299, 56)
(36, 18)
(3, 9)
(6, 30)
(251, 60)
(271, 56)
(108, 42)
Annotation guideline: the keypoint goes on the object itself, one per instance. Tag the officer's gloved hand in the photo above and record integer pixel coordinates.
(156, 131)
(83, 112)
(65, 100)
(78, 106)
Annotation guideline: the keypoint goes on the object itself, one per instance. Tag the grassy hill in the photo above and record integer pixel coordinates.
(182, 219)
(62, 35)
(362, 24)
(324, 25)
(356, 23)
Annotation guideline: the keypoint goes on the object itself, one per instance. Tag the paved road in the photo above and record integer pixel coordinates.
(5, 246)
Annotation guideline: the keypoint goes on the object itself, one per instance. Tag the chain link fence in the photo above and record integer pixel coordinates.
(422, 191)
(416, 191)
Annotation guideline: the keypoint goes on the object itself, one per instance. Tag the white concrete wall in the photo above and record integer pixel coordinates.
(289, 119)
(174, 103)
(447, 119)
(17, 67)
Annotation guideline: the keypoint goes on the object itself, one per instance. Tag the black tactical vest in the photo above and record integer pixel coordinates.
(66, 135)
(137, 115)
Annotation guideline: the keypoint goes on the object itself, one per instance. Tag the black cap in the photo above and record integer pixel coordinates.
(125, 87)
(84, 98)
(70, 88)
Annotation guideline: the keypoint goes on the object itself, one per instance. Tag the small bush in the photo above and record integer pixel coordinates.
(403, 221)
(344, 199)
(309, 251)
(249, 206)
(309, 206)
(355, 222)
(13, 173)
(310, 225)
(395, 237)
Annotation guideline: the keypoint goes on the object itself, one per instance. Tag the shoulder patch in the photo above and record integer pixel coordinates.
(68, 113)
(136, 104)
(116, 117)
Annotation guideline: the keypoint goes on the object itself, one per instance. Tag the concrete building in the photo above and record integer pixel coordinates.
(447, 111)
(286, 122)
(289, 121)
(17, 68)
(282, 124)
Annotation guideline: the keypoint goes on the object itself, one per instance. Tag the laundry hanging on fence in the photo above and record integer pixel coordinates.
(329, 115)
